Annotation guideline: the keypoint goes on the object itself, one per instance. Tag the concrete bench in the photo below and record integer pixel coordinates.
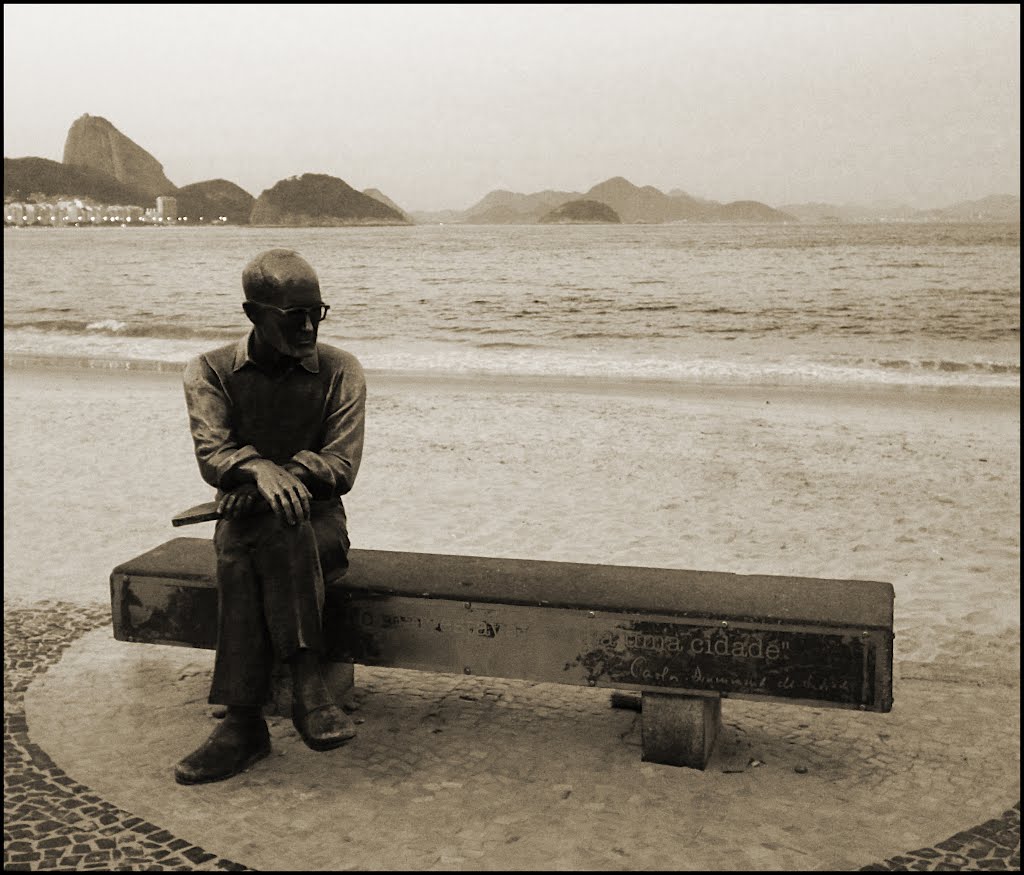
(684, 639)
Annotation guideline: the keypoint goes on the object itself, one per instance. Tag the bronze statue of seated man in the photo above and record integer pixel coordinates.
(277, 421)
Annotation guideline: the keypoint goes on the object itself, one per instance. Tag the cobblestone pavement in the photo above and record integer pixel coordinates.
(994, 845)
(52, 821)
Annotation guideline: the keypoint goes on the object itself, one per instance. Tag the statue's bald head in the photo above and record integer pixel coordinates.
(280, 275)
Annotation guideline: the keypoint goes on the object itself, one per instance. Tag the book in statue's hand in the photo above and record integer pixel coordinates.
(207, 512)
(201, 513)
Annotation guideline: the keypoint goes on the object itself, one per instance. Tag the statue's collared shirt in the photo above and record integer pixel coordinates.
(311, 412)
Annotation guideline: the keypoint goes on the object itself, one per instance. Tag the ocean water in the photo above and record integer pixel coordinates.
(913, 305)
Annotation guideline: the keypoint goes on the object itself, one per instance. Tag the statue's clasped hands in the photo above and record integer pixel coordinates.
(283, 492)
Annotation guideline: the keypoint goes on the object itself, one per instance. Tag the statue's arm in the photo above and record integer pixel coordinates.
(331, 471)
(217, 451)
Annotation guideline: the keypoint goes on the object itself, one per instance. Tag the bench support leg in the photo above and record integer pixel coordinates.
(340, 677)
(679, 730)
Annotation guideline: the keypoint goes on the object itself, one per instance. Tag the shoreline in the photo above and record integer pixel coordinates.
(871, 394)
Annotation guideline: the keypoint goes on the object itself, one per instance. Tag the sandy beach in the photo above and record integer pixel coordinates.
(920, 489)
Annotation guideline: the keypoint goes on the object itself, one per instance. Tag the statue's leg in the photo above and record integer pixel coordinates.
(241, 674)
(288, 562)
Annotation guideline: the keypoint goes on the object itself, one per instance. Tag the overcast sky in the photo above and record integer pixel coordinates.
(436, 105)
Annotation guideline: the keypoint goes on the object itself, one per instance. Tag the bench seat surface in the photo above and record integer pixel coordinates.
(663, 591)
(653, 629)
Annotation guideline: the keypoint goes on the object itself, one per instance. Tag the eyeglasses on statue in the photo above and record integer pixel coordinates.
(298, 315)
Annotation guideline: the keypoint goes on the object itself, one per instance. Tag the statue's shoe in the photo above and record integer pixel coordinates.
(323, 727)
(230, 749)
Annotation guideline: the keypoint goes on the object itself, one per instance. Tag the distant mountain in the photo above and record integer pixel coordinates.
(646, 204)
(509, 207)
(630, 202)
(580, 212)
(678, 192)
(500, 207)
(214, 198)
(103, 165)
(94, 143)
(501, 215)
(38, 178)
(316, 199)
(995, 208)
(749, 211)
(824, 212)
(378, 195)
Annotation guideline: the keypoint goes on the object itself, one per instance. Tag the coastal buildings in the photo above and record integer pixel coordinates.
(166, 209)
(77, 213)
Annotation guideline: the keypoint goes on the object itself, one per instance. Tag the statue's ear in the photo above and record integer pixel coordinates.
(252, 312)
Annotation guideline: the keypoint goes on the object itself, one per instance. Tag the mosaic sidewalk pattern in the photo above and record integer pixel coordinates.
(52, 821)
(993, 845)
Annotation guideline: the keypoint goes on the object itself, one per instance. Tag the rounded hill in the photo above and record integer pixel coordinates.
(214, 198)
(581, 212)
(319, 199)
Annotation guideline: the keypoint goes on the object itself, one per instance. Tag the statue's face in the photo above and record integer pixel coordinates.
(289, 320)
